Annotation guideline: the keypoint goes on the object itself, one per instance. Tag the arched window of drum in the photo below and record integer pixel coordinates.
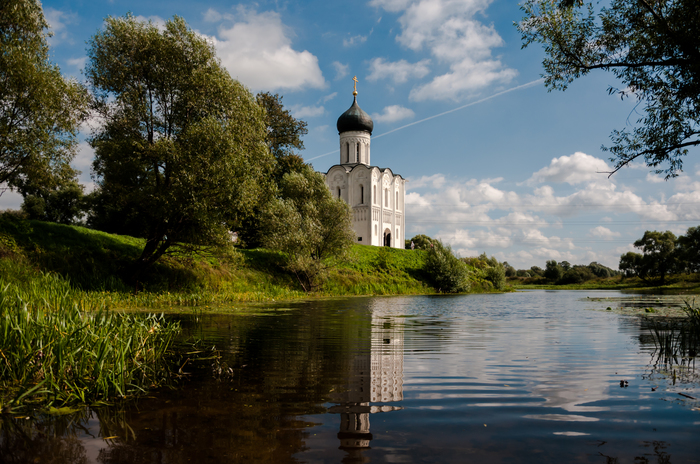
(357, 152)
(347, 152)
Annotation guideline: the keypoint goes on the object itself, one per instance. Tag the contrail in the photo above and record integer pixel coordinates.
(524, 86)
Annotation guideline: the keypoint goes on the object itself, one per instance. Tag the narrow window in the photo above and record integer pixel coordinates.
(386, 198)
(338, 192)
(362, 195)
(396, 205)
(347, 152)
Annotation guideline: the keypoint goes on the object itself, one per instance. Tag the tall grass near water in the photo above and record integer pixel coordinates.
(59, 345)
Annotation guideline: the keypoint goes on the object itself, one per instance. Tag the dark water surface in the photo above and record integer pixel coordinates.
(526, 377)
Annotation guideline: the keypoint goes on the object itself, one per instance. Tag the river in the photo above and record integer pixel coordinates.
(525, 377)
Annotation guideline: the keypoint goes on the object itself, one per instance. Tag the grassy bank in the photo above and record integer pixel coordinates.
(678, 284)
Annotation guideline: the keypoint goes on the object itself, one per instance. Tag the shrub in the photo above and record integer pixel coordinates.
(448, 274)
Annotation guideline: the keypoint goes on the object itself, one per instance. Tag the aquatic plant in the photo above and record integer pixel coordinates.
(60, 346)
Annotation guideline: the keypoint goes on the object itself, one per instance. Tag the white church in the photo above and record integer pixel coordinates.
(376, 195)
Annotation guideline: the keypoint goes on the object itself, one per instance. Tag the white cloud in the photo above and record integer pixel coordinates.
(258, 51)
(307, 111)
(393, 113)
(213, 16)
(358, 39)
(450, 32)
(654, 179)
(436, 181)
(156, 20)
(398, 71)
(58, 21)
(573, 169)
(341, 70)
(329, 97)
(78, 62)
(603, 232)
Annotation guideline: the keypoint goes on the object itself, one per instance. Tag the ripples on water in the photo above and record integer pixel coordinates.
(520, 377)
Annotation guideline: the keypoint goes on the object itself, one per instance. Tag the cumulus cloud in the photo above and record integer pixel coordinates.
(603, 232)
(398, 71)
(527, 224)
(450, 31)
(393, 113)
(78, 63)
(58, 21)
(574, 169)
(257, 50)
(307, 111)
(329, 97)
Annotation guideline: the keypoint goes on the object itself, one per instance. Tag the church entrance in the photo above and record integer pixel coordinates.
(387, 238)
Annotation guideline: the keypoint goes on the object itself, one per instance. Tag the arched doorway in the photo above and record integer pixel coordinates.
(387, 238)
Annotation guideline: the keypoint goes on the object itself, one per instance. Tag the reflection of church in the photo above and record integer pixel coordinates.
(375, 378)
(376, 195)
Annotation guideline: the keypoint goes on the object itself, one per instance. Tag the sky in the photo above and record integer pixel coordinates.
(496, 164)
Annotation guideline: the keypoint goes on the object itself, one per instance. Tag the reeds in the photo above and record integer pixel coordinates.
(60, 346)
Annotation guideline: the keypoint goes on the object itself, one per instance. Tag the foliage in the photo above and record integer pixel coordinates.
(39, 110)
(658, 259)
(64, 205)
(447, 273)
(688, 250)
(283, 138)
(60, 348)
(181, 158)
(631, 263)
(651, 46)
(553, 271)
(421, 242)
(309, 225)
(284, 134)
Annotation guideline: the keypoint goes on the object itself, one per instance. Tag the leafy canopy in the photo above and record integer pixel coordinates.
(39, 110)
(181, 158)
(309, 225)
(651, 46)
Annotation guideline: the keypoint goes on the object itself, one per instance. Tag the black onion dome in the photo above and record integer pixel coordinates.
(355, 119)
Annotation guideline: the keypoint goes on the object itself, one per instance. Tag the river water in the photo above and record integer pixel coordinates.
(526, 377)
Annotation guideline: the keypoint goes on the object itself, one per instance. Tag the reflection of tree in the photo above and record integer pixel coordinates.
(675, 349)
(45, 439)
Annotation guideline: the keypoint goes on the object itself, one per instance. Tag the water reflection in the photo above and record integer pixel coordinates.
(374, 378)
(488, 378)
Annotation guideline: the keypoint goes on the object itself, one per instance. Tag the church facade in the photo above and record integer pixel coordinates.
(376, 195)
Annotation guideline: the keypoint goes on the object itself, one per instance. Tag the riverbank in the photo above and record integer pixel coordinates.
(96, 262)
(677, 284)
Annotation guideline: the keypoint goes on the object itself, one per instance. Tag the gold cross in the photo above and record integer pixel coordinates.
(354, 90)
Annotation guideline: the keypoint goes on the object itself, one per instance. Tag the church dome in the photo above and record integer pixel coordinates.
(354, 119)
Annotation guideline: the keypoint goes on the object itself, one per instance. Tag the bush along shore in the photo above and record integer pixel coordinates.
(73, 331)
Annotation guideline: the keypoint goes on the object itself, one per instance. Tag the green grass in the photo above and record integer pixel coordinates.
(60, 346)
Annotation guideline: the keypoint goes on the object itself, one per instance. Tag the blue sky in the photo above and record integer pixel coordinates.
(507, 168)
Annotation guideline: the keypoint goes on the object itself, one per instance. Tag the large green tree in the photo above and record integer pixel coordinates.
(40, 111)
(688, 251)
(659, 257)
(309, 225)
(181, 157)
(651, 46)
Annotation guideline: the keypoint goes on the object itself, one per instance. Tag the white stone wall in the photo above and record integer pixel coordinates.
(376, 198)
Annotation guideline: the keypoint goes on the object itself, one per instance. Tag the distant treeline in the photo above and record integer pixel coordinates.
(562, 273)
